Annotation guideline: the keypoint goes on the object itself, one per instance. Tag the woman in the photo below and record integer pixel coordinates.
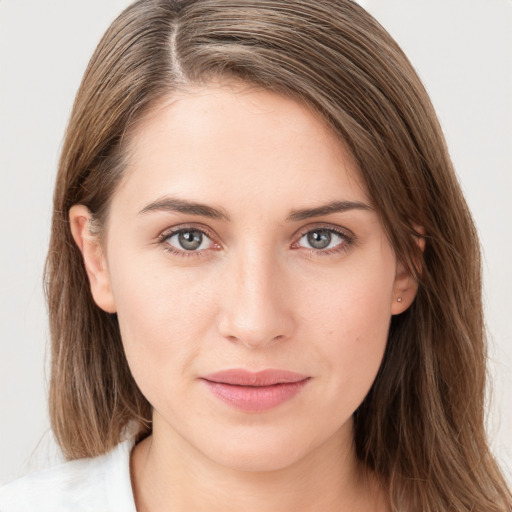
(263, 279)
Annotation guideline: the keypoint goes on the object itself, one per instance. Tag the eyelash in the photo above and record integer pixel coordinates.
(348, 241)
(162, 239)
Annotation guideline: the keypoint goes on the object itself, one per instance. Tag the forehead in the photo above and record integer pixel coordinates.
(229, 140)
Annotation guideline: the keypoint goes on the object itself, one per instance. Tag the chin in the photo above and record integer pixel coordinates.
(259, 460)
(262, 451)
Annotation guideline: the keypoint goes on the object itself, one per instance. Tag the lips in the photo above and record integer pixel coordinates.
(255, 392)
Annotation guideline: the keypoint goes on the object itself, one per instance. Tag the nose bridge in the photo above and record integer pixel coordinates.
(256, 311)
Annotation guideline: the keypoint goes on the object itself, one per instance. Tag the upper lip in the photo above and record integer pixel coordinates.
(242, 377)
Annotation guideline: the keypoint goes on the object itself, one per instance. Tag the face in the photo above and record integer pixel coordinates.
(252, 279)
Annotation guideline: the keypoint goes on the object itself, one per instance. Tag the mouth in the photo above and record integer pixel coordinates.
(255, 392)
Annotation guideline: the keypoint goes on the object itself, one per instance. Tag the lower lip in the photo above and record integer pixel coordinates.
(255, 398)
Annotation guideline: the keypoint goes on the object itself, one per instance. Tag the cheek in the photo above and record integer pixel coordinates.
(354, 300)
(349, 318)
(164, 316)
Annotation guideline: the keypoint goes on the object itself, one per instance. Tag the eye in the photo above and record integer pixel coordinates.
(188, 239)
(322, 239)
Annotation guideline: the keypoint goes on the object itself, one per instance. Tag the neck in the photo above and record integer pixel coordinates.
(170, 475)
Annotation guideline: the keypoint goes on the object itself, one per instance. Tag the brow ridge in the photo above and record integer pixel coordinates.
(327, 209)
(172, 204)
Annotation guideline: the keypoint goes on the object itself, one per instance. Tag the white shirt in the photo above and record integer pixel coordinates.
(100, 484)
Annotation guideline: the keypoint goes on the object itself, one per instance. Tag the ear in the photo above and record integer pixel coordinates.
(405, 286)
(80, 220)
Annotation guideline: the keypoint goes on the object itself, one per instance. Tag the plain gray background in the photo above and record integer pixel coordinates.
(463, 52)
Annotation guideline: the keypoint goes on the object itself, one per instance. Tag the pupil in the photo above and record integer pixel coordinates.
(190, 240)
(319, 239)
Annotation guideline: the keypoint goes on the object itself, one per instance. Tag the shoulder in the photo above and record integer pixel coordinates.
(100, 483)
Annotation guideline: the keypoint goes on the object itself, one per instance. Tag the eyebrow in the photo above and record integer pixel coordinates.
(171, 204)
(328, 209)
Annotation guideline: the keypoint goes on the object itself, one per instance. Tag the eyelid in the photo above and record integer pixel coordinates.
(169, 232)
(348, 236)
(346, 233)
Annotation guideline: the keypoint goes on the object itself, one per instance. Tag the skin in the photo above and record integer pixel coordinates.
(254, 295)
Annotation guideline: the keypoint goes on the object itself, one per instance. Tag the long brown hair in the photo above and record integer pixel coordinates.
(421, 427)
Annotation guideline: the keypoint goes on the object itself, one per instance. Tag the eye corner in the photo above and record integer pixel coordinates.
(199, 244)
(346, 239)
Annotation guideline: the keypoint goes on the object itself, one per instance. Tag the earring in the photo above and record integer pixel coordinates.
(399, 299)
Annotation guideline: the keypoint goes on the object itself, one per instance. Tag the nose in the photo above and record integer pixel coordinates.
(256, 308)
